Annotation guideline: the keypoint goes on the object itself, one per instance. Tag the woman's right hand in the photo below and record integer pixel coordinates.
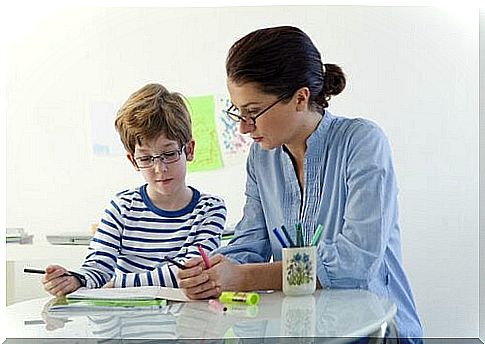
(55, 283)
(195, 281)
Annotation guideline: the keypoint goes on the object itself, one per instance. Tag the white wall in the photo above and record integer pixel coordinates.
(412, 70)
(482, 174)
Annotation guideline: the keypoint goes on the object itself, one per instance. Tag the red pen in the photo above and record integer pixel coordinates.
(204, 257)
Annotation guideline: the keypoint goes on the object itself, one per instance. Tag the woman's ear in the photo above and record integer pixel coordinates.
(190, 149)
(132, 160)
(302, 97)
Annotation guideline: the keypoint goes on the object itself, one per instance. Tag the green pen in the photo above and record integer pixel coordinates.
(316, 235)
(299, 235)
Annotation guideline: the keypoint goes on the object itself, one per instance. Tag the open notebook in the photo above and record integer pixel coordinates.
(130, 293)
(114, 299)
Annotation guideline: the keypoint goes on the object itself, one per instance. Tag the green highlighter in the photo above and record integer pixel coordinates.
(239, 297)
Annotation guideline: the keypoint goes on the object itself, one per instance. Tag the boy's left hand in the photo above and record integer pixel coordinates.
(110, 284)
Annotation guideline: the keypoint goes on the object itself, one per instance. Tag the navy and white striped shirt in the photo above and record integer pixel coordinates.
(134, 236)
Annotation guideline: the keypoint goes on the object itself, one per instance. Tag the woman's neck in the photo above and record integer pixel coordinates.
(297, 147)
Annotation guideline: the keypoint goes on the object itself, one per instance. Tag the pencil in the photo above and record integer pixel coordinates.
(174, 262)
(67, 273)
(204, 257)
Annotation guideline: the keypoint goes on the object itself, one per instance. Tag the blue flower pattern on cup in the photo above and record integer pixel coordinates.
(299, 269)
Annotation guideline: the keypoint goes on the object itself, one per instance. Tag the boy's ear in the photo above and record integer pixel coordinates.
(190, 149)
(132, 160)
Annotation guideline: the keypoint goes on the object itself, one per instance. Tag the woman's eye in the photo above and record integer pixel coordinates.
(251, 112)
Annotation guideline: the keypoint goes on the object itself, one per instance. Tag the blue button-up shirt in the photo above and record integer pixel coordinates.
(349, 188)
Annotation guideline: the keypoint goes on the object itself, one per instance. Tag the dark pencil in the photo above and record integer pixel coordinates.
(67, 273)
(174, 262)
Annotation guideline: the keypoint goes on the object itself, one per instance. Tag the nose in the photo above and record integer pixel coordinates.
(245, 127)
(159, 165)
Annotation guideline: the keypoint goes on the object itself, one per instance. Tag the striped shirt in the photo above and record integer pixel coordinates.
(134, 236)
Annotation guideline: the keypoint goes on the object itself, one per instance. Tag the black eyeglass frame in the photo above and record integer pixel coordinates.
(237, 118)
(161, 156)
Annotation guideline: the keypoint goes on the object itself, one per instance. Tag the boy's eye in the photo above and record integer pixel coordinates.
(170, 154)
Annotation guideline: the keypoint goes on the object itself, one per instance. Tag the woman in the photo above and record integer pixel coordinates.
(307, 166)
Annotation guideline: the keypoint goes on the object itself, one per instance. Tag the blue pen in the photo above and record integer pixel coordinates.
(278, 236)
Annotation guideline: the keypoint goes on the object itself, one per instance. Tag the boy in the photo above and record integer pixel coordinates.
(164, 217)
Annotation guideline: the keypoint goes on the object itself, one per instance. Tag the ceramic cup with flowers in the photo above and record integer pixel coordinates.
(299, 270)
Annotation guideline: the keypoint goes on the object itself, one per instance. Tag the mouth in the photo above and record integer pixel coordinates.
(164, 181)
(257, 139)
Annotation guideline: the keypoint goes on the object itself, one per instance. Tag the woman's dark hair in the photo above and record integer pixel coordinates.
(281, 60)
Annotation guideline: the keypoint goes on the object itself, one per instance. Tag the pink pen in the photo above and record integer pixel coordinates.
(204, 257)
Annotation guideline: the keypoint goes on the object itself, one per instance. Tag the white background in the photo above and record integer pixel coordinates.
(412, 70)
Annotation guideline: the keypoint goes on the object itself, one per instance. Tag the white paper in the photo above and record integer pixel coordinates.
(130, 293)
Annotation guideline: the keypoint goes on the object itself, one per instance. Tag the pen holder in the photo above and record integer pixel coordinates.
(299, 270)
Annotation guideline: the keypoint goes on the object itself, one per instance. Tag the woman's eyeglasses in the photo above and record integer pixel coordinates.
(234, 113)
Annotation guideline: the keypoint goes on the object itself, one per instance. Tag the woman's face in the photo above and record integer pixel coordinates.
(275, 127)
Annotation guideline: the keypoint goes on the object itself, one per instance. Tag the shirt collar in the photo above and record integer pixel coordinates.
(315, 140)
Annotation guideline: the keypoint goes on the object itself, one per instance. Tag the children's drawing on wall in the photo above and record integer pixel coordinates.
(104, 141)
(234, 145)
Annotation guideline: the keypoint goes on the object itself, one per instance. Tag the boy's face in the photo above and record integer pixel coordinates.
(167, 177)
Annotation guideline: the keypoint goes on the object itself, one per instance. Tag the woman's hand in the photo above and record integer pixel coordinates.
(201, 283)
(226, 275)
(56, 284)
(195, 281)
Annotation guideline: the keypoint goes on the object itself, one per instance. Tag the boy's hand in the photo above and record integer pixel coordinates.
(56, 284)
(109, 284)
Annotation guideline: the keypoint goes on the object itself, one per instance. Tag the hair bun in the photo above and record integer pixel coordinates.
(334, 80)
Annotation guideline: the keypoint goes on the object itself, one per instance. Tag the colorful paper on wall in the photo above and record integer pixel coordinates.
(207, 153)
(232, 141)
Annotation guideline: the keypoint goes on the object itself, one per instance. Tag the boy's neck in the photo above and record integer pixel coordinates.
(171, 202)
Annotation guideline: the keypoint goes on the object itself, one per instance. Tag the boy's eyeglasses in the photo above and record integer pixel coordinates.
(166, 157)
(235, 114)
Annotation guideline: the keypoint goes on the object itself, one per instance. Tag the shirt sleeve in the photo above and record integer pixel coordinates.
(352, 257)
(100, 262)
(250, 243)
(208, 234)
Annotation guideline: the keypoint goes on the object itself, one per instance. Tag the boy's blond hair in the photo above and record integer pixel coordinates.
(150, 112)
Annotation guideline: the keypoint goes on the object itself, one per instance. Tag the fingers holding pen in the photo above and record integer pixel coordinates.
(53, 272)
(56, 282)
(61, 285)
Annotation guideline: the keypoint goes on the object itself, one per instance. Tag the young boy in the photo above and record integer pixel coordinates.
(164, 217)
